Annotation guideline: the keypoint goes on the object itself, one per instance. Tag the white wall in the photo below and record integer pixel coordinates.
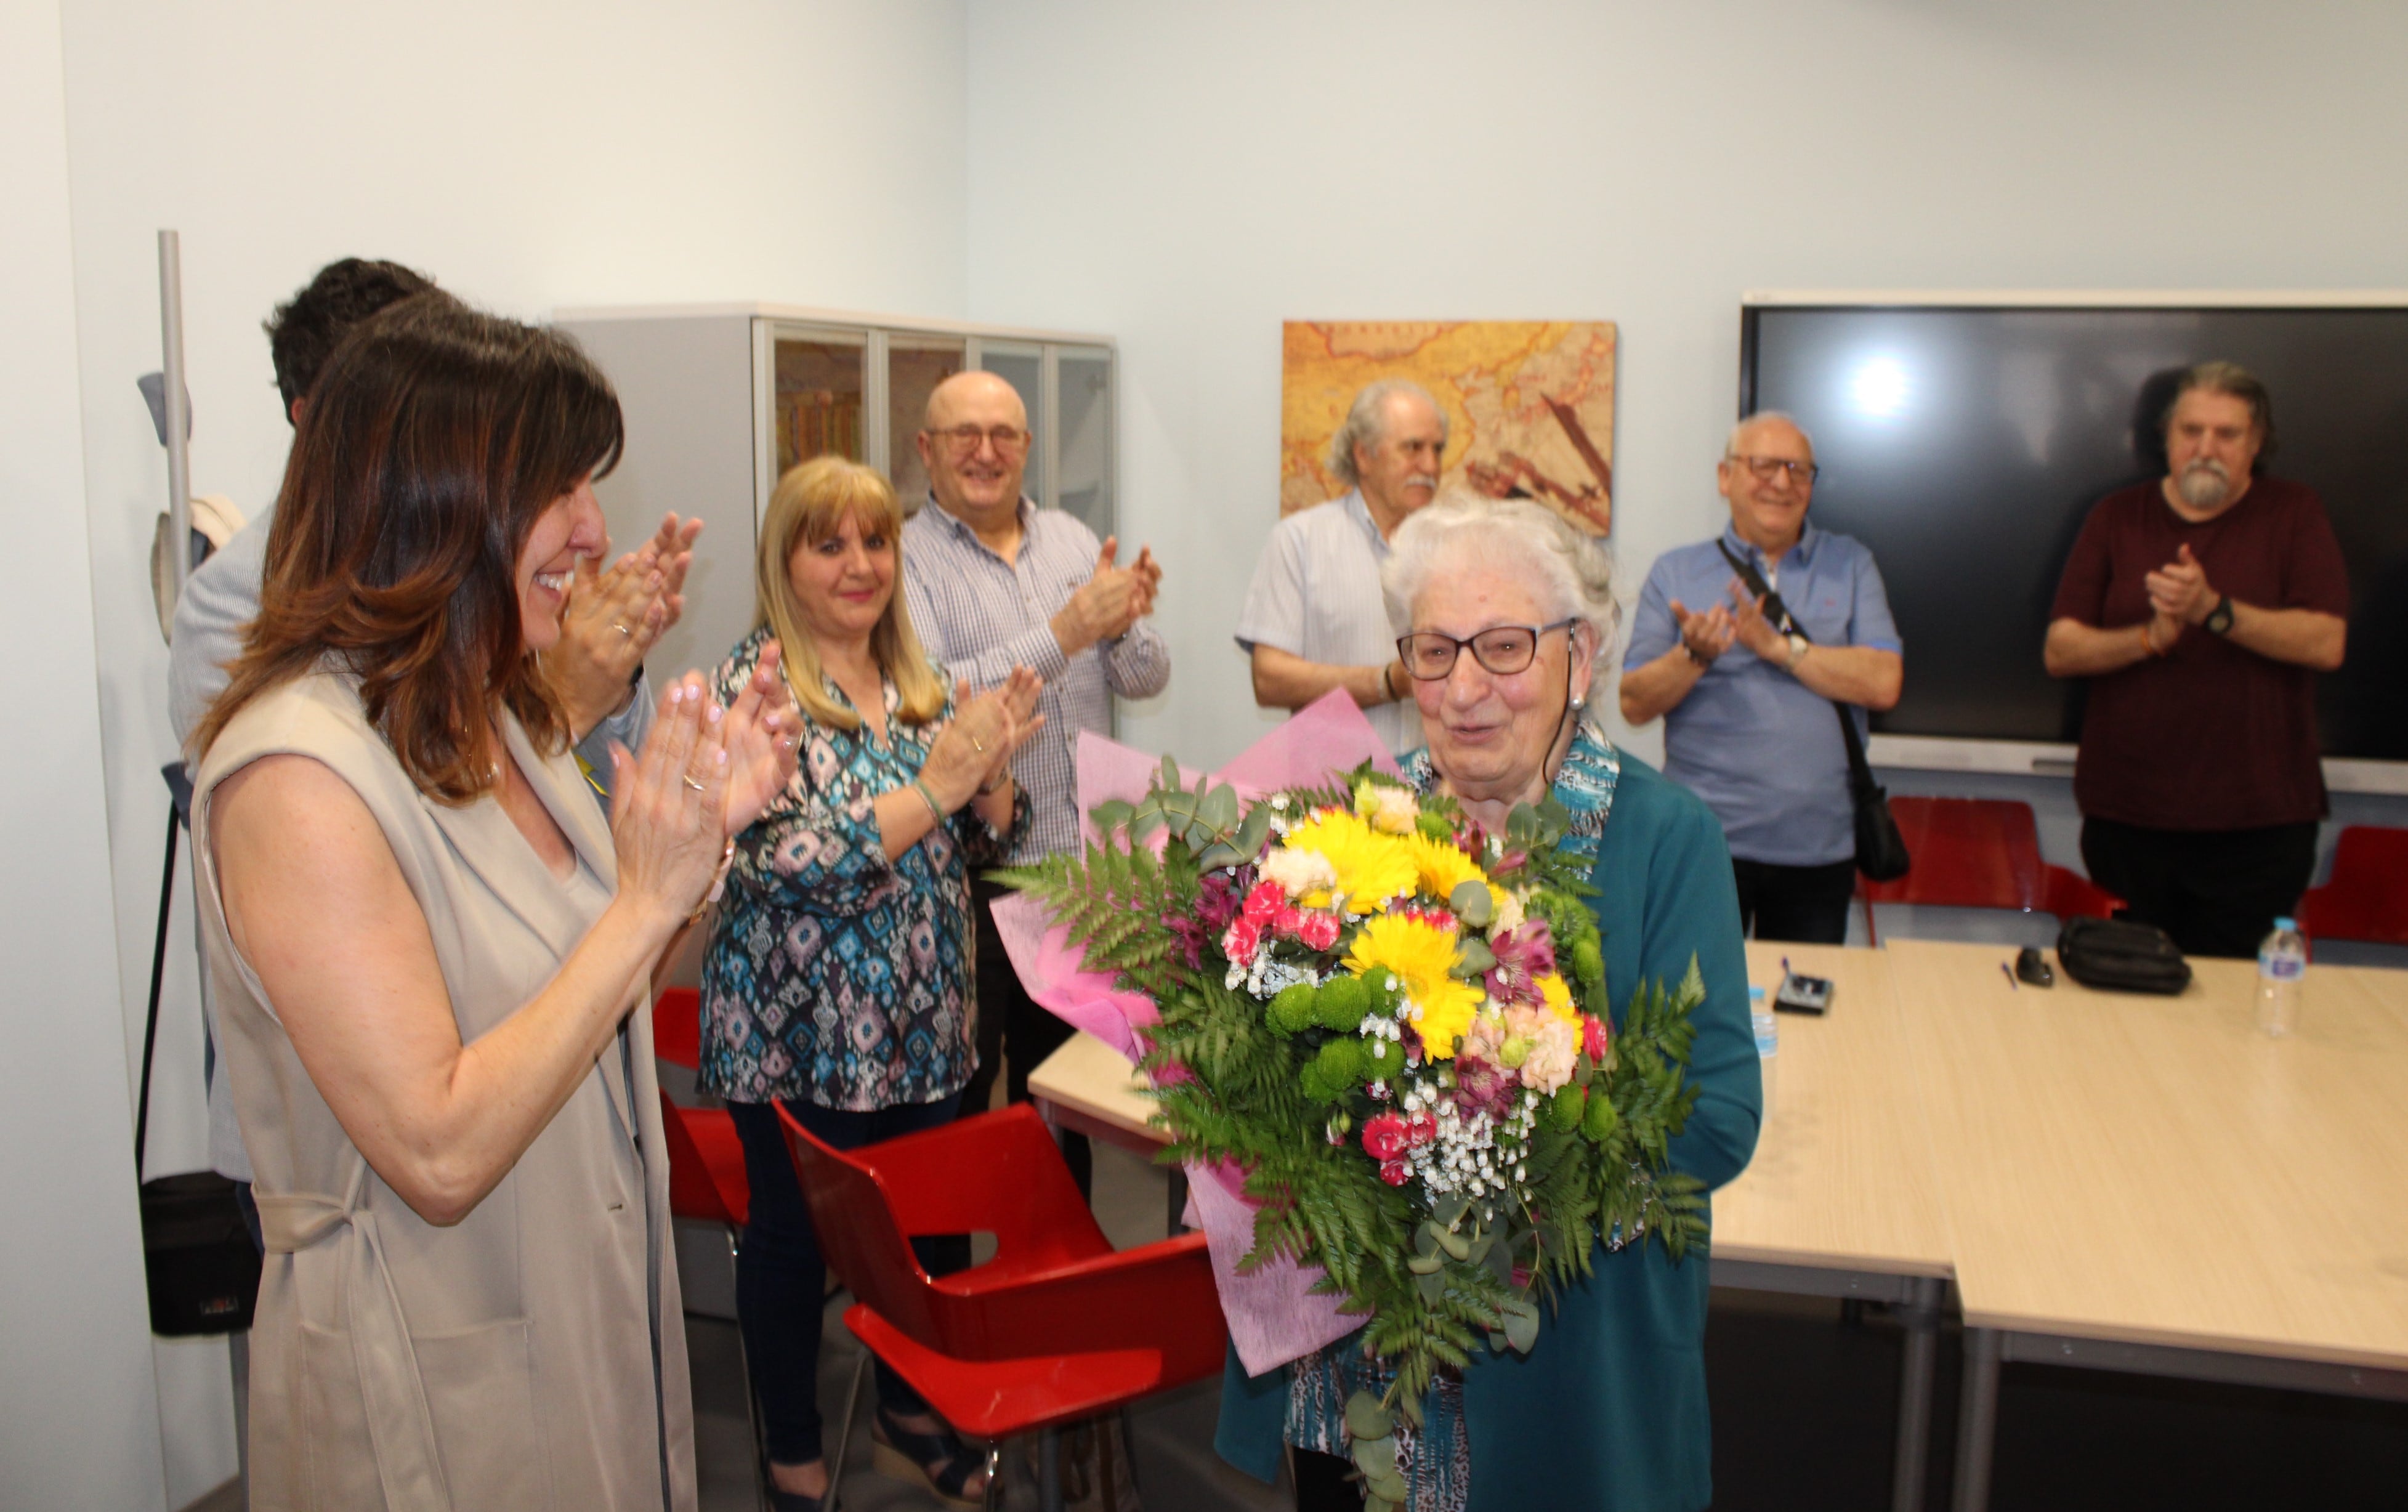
(1188, 177)
(79, 1412)
(529, 156)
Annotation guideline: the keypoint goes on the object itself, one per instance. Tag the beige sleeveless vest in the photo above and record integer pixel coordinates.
(533, 1355)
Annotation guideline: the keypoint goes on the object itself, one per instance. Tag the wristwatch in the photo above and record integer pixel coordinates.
(1797, 644)
(2219, 619)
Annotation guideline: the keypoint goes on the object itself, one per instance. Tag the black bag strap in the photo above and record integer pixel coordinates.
(180, 801)
(1860, 772)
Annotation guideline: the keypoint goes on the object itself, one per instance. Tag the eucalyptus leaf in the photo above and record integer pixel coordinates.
(1458, 1246)
(1147, 820)
(1499, 1260)
(1497, 1343)
(1425, 1264)
(1471, 903)
(1366, 1418)
(1480, 1247)
(1472, 958)
(1432, 1286)
(1219, 854)
(1389, 1487)
(1220, 807)
(1170, 775)
(1449, 1210)
(1254, 831)
(1375, 1456)
(1521, 1329)
(1426, 1239)
(1110, 815)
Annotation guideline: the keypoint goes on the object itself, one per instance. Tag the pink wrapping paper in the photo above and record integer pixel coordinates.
(1273, 1315)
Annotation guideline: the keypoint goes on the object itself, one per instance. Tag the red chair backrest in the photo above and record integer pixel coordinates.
(676, 1029)
(859, 1235)
(1968, 853)
(693, 1193)
(2367, 898)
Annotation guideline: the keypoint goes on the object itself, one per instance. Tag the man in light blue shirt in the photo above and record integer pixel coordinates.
(1748, 724)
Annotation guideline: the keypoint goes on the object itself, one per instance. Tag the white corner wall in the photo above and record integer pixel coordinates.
(1188, 177)
(529, 156)
(78, 1410)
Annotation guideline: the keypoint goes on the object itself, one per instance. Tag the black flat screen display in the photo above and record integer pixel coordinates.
(1966, 445)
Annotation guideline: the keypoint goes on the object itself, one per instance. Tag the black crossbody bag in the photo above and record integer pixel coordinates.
(1881, 850)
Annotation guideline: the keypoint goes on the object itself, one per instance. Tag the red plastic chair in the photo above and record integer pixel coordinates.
(1981, 853)
(2367, 898)
(1057, 1328)
(707, 1179)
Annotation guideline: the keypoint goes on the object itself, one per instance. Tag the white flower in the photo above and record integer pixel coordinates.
(1509, 915)
(1298, 872)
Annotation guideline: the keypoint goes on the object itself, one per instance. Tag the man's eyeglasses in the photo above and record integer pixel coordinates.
(1503, 649)
(1766, 468)
(963, 441)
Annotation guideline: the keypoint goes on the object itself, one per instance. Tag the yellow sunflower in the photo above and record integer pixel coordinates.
(1441, 867)
(1558, 994)
(1371, 868)
(1420, 955)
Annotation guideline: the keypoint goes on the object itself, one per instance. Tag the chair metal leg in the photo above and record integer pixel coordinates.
(1049, 1470)
(993, 1499)
(752, 1402)
(844, 1432)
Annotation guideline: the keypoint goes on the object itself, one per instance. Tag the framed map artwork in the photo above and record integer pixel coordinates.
(1529, 405)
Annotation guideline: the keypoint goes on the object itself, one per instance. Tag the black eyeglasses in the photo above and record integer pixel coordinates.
(1503, 649)
(1767, 468)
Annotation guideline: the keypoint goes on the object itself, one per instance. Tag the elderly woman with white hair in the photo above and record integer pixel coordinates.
(1507, 616)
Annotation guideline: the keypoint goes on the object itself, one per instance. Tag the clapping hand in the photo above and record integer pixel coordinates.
(1707, 635)
(975, 748)
(1752, 629)
(761, 730)
(1108, 602)
(2179, 593)
(665, 805)
(612, 619)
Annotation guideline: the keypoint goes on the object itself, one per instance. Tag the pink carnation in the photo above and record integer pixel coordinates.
(1420, 1129)
(1289, 921)
(1594, 1037)
(1244, 937)
(1318, 930)
(1385, 1136)
(1553, 1051)
(1395, 1173)
(1262, 904)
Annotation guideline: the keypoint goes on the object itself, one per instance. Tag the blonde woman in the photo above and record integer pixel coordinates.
(839, 978)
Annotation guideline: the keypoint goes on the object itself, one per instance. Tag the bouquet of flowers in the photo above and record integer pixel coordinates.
(1395, 1025)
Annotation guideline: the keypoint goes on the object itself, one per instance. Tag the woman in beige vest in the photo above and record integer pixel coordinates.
(432, 957)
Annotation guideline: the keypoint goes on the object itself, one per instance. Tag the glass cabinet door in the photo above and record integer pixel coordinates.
(915, 365)
(817, 399)
(1083, 453)
(1023, 369)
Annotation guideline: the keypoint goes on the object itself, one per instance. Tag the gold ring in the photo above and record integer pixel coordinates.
(695, 786)
(978, 745)
(621, 628)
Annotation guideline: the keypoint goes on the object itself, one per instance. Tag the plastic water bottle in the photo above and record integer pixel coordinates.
(2281, 965)
(1768, 1042)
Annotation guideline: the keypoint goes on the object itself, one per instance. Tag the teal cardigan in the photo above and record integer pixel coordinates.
(1608, 1410)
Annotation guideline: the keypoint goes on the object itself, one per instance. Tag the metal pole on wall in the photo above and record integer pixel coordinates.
(180, 464)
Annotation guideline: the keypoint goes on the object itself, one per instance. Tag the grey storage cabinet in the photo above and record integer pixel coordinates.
(721, 399)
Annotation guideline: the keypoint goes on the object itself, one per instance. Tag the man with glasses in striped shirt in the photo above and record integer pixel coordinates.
(1746, 703)
(994, 582)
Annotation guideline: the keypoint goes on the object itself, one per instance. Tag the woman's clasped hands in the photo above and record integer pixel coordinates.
(703, 777)
(972, 753)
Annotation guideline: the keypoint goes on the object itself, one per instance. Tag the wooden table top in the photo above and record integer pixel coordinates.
(1089, 1078)
(1842, 1175)
(2154, 1170)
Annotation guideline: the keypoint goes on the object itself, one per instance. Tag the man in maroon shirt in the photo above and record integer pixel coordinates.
(2202, 607)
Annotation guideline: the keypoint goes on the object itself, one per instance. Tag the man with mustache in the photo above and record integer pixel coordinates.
(1314, 619)
(1748, 702)
(2201, 607)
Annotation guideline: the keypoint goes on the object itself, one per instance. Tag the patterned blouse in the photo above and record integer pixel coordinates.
(835, 975)
(1435, 1460)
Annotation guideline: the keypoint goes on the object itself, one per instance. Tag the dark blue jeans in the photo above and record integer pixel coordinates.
(781, 1280)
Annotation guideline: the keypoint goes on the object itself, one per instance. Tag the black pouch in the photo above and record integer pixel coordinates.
(2121, 956)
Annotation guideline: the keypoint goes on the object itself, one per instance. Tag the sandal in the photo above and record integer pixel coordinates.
(784, 1500)
(938, 1460)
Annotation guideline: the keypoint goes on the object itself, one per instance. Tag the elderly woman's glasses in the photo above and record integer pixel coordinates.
(963, 441)
(1503, 649)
